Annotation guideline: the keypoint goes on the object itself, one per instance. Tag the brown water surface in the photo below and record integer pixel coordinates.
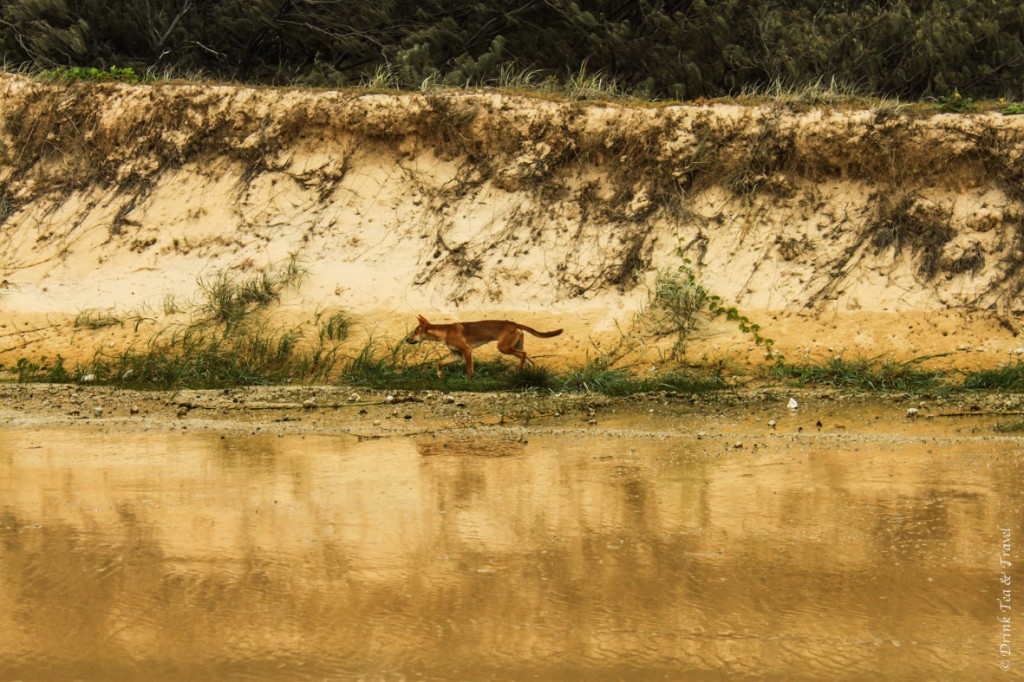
(206, 556)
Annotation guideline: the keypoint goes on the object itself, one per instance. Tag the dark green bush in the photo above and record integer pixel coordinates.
(681, 49)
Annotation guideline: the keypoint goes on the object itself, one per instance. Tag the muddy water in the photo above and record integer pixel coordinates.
(572, 556)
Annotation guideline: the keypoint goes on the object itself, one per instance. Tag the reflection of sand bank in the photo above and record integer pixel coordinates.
(557, 557)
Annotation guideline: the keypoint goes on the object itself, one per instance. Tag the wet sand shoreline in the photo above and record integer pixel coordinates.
(750, 411)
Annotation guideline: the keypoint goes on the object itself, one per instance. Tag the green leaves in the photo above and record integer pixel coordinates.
(955, 103)
(79, 73)
(680, 304)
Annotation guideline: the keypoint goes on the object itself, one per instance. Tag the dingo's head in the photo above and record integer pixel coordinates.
(420, 332)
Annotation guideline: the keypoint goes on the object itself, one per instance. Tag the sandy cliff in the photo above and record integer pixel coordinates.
(866, 232)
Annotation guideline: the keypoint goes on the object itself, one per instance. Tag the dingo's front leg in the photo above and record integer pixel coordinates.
(467, 356)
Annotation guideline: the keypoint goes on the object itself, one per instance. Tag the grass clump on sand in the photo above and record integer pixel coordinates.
(1007, 377)
(598, 376)
(204, 357)
(43, 371)
(230, 341)
(394, 366)
(876, 374)
(94, 318)
(397, 365)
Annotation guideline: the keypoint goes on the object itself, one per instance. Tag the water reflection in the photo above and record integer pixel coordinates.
(182, 557)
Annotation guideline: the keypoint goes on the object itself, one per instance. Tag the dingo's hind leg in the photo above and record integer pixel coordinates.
(513, 345)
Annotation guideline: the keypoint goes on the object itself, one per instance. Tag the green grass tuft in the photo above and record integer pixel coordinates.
(864, 373)
(598, 377)
(229, 342)
(94, 318)
(395, 367)
(43, 371)
(956, 103)
(1008, 377)
(229, 301)
(688, 382)
(1010, 427)
(213, 357)
(68, 74)
(335, 327)
(534, 377)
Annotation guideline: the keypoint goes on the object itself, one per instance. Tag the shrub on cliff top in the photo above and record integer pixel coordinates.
(81, 73)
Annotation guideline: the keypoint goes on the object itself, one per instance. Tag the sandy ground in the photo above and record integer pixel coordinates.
(739, 416)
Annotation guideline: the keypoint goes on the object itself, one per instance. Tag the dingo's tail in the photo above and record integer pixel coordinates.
(543, 335)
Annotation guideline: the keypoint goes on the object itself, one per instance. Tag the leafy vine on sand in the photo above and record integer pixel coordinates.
(681, 302)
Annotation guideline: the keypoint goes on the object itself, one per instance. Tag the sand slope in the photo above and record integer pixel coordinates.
(859, 232)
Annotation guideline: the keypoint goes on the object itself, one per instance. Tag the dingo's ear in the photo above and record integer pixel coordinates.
(422, 319)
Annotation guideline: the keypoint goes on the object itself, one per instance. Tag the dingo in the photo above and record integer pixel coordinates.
(462, 337)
